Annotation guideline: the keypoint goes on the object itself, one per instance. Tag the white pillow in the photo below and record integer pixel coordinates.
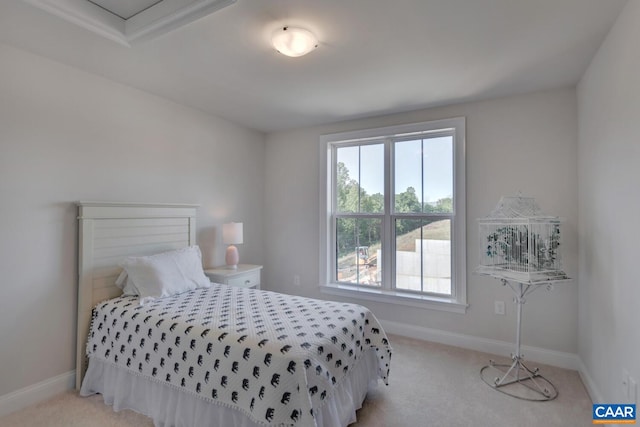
(166, 274)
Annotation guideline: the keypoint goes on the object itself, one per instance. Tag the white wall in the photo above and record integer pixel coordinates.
(526, 143)
(65, 136)
(609, 172)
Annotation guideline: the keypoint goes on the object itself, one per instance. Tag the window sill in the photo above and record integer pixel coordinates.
(395, 297)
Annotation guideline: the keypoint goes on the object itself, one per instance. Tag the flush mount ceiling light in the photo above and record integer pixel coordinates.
(292, 41)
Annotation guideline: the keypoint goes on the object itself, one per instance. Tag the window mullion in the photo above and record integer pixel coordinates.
(388, 264)
(422, 176)
(422, 202)
(359, 179)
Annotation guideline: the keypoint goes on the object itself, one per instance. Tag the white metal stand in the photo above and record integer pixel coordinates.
(525, 383)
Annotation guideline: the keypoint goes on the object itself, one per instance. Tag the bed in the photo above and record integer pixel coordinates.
(215, 355)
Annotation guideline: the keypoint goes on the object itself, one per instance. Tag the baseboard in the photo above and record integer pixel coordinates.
(486, 345)
(36, 393)
(589, 384)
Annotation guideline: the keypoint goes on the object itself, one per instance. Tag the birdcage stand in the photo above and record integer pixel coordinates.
(517, 379)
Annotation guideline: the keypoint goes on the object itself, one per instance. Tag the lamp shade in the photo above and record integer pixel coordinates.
(292, 41)
(232, 233)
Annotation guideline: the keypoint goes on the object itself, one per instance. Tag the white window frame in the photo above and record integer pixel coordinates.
(458, 301)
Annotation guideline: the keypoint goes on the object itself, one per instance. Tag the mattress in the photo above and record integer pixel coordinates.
(276, 359)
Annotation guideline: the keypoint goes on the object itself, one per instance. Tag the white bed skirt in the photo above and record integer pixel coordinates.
(169, 406)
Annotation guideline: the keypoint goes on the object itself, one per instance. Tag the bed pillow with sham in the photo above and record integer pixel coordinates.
(167, 273)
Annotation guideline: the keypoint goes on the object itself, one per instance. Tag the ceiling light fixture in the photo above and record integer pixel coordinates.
(292, 41)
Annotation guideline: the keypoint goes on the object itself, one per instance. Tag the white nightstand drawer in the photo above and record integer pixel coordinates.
(249, 280)
(244, 276)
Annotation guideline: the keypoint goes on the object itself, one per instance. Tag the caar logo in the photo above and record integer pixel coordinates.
(614, 414)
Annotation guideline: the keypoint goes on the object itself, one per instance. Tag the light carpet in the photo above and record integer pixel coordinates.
(430, 385)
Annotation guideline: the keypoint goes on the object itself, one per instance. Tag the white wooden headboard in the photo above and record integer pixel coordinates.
(110, 232)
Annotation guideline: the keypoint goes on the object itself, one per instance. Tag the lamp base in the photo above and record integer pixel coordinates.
(231, 257)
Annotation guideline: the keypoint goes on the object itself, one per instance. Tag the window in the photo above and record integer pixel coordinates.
(393, 227)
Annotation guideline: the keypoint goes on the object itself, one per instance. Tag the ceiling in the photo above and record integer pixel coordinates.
(375, 57)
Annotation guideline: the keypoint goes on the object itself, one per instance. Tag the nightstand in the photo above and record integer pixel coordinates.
(245, 276)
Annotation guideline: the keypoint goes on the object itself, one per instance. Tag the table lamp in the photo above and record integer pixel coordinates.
(232, 235)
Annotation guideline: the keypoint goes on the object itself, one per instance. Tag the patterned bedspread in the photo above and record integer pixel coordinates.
(274, 357)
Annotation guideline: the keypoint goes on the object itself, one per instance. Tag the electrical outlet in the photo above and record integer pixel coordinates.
(499, 307)
(296, 280)
(625, 383)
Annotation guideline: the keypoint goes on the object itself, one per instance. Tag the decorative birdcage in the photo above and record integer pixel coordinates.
(519, 242)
